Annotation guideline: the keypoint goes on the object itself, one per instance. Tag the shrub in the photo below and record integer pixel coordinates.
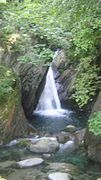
(95, 123)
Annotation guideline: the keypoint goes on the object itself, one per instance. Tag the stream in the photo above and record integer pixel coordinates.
(58, 142)
(70, 158)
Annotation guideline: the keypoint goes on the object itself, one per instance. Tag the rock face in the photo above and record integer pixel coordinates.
(31, 77)
(79, 135)
(59, 176)
(17, 125)
(45, 145)
(67, 75)
(97, 104)
(92, 141)
(29, 162)
(13, 122)
(93, 146)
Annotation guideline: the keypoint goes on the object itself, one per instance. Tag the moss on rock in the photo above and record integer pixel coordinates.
(9, 102)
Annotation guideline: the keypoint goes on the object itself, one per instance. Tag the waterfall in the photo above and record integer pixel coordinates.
(49, 99)
(49, 103)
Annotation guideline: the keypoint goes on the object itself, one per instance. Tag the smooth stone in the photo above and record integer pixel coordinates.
(70, 128)
(45, 145)
(29, 162)
(47, 156)
(68, 147)
(99, 178)
(59, 176)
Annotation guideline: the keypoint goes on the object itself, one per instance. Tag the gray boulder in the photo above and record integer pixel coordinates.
(45, 145)
(68, 147)
(59, 176)
(29, 162)
(70, 128)
(93, 146)
(63, 137)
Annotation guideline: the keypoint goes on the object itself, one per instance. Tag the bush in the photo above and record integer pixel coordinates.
(7, 83)
(95, 123)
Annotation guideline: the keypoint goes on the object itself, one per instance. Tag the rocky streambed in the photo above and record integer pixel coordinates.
(60, 156)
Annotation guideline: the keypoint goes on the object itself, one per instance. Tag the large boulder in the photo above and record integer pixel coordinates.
(45, 145)
(68, 147)
(93, 146)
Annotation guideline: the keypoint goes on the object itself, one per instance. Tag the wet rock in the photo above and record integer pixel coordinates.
(45, 145)
(70, 128)
(80, 134)
(63, 137)
(67, 75)
(59, 176)
(47, 156)
(93, 146)
(33, 80)
(68, 147)
(64, 167)
(29, 162)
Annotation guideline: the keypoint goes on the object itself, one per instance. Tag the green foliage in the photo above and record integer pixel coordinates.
(7, 81)
(85, 85)
(9, 95)
(42, 27)
(95, 123)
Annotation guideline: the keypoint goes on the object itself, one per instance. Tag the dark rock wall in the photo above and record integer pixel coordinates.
(31, 77)
(93, 146)
(31, 81)
(66, 77)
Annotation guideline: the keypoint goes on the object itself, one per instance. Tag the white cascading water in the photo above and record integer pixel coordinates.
(49, 99)
(49, 103)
